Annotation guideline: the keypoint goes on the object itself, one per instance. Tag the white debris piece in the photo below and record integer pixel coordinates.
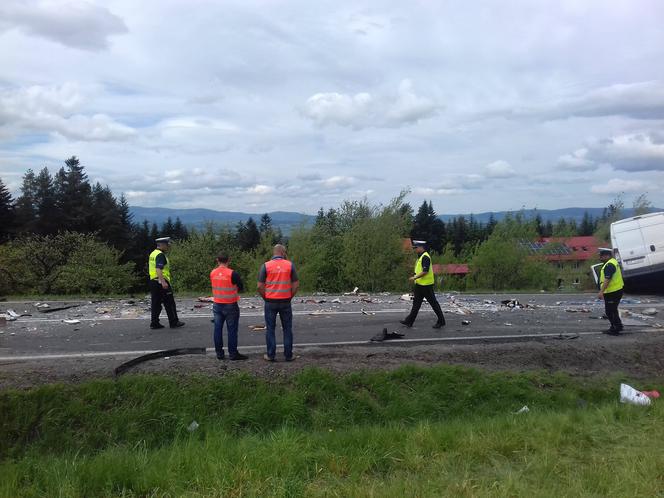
(193, 426)
(406, 297)
(523, 409)
(71, 322)
(13, 314)
(633, 397)
(650, 311)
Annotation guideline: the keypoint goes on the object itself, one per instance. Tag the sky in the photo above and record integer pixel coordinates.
(261, 106)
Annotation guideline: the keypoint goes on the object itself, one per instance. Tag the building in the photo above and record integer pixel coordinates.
(572, 257)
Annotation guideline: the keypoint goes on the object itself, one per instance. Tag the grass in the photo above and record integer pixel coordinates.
(441, 431)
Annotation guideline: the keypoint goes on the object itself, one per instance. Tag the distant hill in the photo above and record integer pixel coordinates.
(199, 217)
(552, 215)
(288, 220)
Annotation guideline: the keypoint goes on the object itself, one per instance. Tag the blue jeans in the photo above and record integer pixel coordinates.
(285, 313)
(229, 313)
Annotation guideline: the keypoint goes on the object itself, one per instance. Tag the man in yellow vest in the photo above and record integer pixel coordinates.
(161, 291)
(611, 289)
(226, 287)
(424, 281)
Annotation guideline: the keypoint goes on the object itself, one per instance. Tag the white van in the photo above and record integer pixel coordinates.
(638, 243)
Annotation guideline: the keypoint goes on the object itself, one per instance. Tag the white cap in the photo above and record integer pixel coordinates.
(163, 240)
(419, 243)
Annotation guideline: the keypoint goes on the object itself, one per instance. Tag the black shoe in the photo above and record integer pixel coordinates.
(221, 357)
(406, 323)
(176, 325)
(290, 358)
(238, 356)
(154, 326)
(438, 325)
(611, 332)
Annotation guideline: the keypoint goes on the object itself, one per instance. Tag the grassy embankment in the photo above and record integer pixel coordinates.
(437, 431)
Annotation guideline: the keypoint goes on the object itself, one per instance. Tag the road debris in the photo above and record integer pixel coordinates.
(578, 310)
(61, 308)
(384, 335)
(631, 396)
(367, 312)
(354, 291)
(406, 297)
(465, 322)
(257, 328)
(157, 354)
(206, 299)
(649, 311)
(71, 322)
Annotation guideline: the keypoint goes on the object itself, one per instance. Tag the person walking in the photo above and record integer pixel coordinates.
(424, 281)
(611, 289)
(226, 287)
(161, 292)
(278, 284)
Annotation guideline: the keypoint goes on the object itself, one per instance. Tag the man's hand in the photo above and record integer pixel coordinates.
(600, 295)
(412, 279)
(164, 284)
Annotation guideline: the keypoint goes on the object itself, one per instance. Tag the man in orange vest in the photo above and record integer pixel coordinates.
(278, 284)
(226, 286)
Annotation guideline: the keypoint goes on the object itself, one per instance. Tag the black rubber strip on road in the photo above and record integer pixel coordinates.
(157, 354)
(51, 310)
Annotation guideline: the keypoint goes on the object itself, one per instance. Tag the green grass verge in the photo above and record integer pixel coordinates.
(413, 432)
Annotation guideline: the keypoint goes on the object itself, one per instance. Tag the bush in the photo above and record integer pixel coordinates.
(68, 262)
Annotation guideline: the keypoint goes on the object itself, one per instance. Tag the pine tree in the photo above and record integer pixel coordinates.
(7, 213)
(47, 221)
(587, 225)
(74, 197)
(179, 230)
(168, 228)
(26, 210)
(248, 236)
(265, 224)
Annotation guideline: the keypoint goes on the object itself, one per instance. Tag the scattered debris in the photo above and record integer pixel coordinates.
(312, 301)
(651, 394)
(633, 397)
(354, 291)
(489, 301)
(61, 308)
(649, 311)
(336, 301)
(199, 305)
(71, 322)
(406, 297)
(523, 409)
(7, 318)
(193, 426)
(206, 299)
(507, 324)
(367, 312)
(157, 354)
(257, 328)
(386, 336)
(465, 322)
(578, 310)
(42, 305)
(103, 311)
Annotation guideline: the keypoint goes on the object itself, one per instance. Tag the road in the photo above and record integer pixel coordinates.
(122, 329)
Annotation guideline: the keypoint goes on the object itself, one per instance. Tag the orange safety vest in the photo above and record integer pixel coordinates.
(224, 291)
(278, 283)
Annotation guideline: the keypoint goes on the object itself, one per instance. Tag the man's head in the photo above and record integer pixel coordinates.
(420, 246)
(279, 250)
(605, 254)
(222, 259)
(163, 243)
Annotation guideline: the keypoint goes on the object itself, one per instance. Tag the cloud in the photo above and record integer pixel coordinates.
(52, 109)
(260, 189)
(499, 169)
(76, 23)
(363, 110)
(642, 100)
(617, 185)
(452, 185)
(577, 161)
(631, 152)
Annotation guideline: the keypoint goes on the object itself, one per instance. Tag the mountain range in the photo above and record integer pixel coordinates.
(287, 220)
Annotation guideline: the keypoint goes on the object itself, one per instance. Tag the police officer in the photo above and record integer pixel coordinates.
(161, 291)
(611, 289)
(423, 279)
(278, 284)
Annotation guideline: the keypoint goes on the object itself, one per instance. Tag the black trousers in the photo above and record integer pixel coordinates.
(161, 296)
(422, 292)
(611, 302)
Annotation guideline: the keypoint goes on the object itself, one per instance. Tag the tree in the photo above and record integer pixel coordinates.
(587, 225)
(74, 197)
(248, 236)
(26, 210)
(7, 213)
(427, 226)
(641, 205)
(47, 221)
(179, 230)
(265, 224)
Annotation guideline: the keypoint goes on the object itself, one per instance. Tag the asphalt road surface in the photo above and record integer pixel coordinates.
(121, 327)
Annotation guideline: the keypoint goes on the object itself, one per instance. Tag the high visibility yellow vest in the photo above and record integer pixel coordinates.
(152, 266)
(616, 282)
(427, 279)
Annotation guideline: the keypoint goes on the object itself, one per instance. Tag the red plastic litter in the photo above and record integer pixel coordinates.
(651, 394)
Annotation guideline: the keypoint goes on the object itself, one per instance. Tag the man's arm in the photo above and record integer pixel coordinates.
(262, 275)
(237, 280)
(426, 262)
(160, 263)
(609, 270)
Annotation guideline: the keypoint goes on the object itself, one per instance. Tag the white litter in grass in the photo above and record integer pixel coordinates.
(193, 426)
(631, 396)
(523, 409)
